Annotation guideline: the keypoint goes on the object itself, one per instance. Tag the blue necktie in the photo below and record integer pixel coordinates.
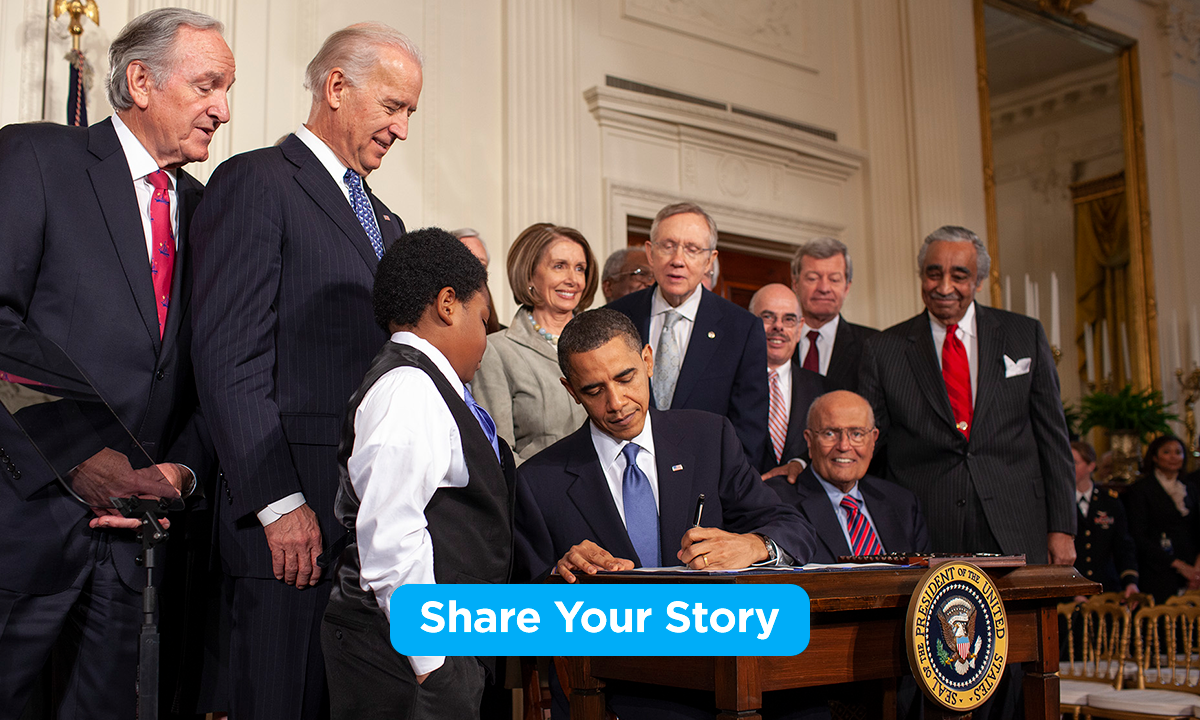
(363, 210)
(641, 514)
(485, 420)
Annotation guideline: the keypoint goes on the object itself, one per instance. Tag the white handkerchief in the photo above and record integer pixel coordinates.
(1013, 368)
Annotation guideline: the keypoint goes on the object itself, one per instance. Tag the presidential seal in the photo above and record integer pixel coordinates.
(957, 636)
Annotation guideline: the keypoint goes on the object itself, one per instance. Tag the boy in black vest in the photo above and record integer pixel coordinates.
(423, 476)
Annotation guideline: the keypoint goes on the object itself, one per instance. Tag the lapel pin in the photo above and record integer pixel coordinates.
(711, 334)
(676, 468)
(385, 217)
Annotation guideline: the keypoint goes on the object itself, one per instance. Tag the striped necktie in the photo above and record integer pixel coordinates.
(863, 540)
(777, 420)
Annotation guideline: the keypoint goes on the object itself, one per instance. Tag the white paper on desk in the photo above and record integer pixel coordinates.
(684, 570)
(847, 566)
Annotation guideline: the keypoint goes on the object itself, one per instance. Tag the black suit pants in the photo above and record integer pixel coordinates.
(276, 670)
(92, 630)
(369, 680)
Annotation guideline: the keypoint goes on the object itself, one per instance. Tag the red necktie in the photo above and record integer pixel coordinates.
(162, 254)
(812, 360)
(777, 419)
(863, 540)
(957, 374)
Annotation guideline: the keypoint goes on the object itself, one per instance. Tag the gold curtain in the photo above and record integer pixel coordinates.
(1102, 256)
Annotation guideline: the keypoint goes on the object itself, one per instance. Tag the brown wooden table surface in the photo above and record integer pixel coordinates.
(857, 633)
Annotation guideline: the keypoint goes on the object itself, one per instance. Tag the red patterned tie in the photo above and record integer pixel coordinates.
(957, 374)
(162, 255)
(863, 540)
(812, 361)
(777, 420)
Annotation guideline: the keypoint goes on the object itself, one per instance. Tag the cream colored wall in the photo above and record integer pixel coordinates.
(507, 132)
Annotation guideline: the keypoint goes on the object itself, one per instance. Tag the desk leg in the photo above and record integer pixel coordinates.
(587, 693)
(1041, 676)
(738, 688)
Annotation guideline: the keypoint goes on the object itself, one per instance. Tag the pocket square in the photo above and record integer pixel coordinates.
(1013, 368)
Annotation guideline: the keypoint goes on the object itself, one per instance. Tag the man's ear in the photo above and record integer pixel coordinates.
(570, 390)
(648, 358)
(335, 86)
(448, 308)
(140, 82)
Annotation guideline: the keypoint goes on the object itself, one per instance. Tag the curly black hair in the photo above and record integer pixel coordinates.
(589, 330)
(416, 268)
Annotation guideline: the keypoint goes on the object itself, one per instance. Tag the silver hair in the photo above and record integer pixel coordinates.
(149, 39)
(614, 263)
(954, 233)
(684, 208)
(472, 232)
(825, 399)
(355, 50)
(820, 248)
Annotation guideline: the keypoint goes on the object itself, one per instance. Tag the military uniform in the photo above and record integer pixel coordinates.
(1104, 549)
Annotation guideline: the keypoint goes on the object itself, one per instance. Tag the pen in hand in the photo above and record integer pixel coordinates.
(699, 510)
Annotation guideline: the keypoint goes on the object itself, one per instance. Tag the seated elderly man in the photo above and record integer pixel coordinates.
(621, 491)
(853, 513)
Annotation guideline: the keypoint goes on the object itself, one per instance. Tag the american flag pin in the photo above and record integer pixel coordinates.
(676, 468)
(711, 334)
(385, 217)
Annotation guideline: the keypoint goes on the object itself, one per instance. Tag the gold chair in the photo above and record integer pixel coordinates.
(1103, 662)
(1168, 676)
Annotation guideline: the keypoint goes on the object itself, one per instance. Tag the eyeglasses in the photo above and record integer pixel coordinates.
(831, 436)
(788, 321)
(667, 248)
(640, 273)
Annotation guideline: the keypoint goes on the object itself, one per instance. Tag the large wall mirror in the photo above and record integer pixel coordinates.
(1065, 183)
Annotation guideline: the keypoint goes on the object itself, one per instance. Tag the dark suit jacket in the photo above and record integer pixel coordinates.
(1018, 458)
(807, 386)
(847, 350)
(74, 270)
(285, 332)
(1161, 534)
(563, 497)
(895, 512)
(725, 369)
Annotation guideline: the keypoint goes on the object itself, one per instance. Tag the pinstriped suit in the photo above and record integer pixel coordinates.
(285, 332)
(1017, 462)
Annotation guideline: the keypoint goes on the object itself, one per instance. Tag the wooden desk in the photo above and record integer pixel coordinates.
(857, 634)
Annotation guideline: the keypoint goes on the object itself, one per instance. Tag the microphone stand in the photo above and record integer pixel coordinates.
(150, 511)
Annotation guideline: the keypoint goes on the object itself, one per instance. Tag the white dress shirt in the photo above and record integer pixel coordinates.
(141, 164)
(1084, 499)
(608, 451)
(843, 515)
(406, 446)
(969, 336)
(683, 327)
(337, 171)
(828, 333)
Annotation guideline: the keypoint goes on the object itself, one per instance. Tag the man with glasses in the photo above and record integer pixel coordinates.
(626, 271)
(853, 513)
(709, 354)
(792, 388)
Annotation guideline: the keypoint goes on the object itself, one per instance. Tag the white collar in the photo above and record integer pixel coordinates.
(688, 308)
(828, 331)
(608, 448)
(967, 324)
(404, 337)
(141, 162)
(328, 159)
